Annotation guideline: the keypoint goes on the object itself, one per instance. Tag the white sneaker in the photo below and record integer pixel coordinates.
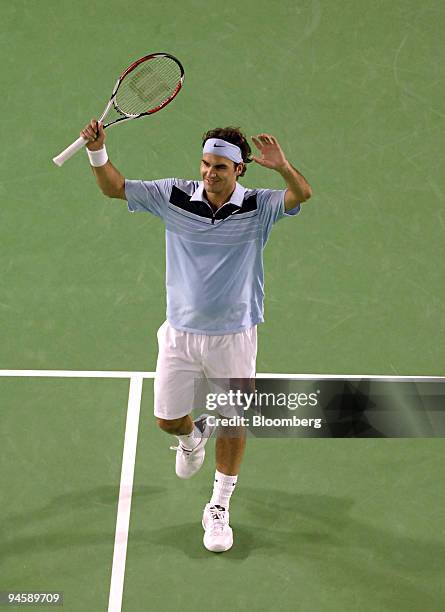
(218, 535)
(188, 462)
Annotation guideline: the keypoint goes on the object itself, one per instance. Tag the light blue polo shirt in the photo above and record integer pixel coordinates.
(214, 276)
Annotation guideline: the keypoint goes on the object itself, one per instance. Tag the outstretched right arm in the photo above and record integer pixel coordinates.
(109, 179)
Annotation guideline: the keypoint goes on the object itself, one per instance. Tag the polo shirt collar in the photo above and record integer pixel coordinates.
(236, 198)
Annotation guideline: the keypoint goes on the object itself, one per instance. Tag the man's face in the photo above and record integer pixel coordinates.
(218, 173)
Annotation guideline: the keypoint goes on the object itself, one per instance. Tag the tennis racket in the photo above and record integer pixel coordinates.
(148, 85)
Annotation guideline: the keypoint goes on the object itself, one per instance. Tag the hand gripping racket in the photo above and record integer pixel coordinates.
(149, 84)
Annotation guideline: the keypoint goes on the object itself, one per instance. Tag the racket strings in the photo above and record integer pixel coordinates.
(148, 86)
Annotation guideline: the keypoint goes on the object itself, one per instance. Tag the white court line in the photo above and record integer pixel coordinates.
(76, 373)
(117, 374)
(125, 493)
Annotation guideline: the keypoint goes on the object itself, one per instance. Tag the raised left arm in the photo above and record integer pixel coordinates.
(272, 156)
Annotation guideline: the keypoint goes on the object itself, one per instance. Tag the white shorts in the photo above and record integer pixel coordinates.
(186, 360)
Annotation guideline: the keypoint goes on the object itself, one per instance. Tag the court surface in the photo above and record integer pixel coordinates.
(325, 524)
(354, 285)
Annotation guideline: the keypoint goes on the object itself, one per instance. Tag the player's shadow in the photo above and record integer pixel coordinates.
(391, 568)
(186, 537)
(346, 548)
(71, 520)
(249, 537)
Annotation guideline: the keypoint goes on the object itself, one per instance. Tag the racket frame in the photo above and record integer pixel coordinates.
(80, 143)
(128, 116)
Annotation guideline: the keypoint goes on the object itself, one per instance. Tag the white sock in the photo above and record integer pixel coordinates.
(223, 487)
(190, 440)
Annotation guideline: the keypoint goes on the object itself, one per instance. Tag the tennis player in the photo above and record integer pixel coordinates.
(216, 231)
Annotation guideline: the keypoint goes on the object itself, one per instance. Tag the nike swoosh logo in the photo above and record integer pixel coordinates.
(220, 146)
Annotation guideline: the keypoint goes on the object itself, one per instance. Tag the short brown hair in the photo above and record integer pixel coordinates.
(235, 136)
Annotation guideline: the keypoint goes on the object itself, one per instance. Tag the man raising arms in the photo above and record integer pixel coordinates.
(216, 231)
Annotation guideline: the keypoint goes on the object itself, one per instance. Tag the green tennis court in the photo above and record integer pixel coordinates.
(354, 285)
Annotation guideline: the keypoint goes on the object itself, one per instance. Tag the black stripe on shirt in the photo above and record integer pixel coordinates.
(183, 200)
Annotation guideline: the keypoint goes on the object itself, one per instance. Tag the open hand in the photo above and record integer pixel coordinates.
(272, 155)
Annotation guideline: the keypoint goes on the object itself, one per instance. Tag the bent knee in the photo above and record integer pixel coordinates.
(170, 425)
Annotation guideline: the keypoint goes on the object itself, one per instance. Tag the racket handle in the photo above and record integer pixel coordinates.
(78, 144)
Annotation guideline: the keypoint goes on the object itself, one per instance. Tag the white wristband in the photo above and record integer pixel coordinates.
(98, 158)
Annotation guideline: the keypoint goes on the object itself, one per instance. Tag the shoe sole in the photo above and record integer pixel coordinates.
(205, 440)
(196, 471)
